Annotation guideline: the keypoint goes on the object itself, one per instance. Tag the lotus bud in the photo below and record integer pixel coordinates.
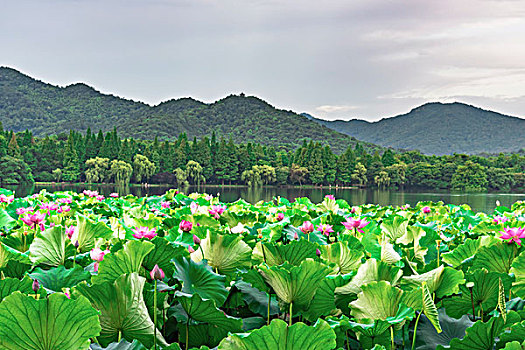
(157, 273)
(295, 236)
(36, 286)
(191, 250)
(196, 240)
(77, 244)
(318, 252)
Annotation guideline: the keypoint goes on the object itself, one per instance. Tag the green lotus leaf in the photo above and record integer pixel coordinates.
(51, 247)
(388, 253)
(371, 271)
(10, 285)
(484, 294)
(19, 240)
(345, 259)
(413, 234)
(59, 277)
(394, 227)
(515, 345)
(162, 255)
(428, 337)
(122, 309)
(125, 261)
(296, 284)
(376, 301)
(198, 277)
(482, 335)
(466, 251)
(47, 324)
(8, 254)
(518, 269)
(516, 333)
(6, 220)
(323, 302)
(277, 254)
(257, 300)
(205, 311)
(87, 231)
(442, 280)
(125, 345)
(225, 253)
(278, 336)
(495, 258)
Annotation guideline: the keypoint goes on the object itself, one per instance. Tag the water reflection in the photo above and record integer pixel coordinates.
(478, 201)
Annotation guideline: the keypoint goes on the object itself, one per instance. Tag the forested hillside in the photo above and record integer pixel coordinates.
(440, 128)
(44, 109)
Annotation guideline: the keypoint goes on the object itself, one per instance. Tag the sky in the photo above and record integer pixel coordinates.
(366, 59)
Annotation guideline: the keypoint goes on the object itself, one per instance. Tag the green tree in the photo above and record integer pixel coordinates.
(121, 172)
(470, 177)
(143, 168)
(71, 172)
(14, 171)
(181, 177)
(382, 180)
(57, 174)
(194, 172)
(298, 174)
(97, 170)
(359, 175)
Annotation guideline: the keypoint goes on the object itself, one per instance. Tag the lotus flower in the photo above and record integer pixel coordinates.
(185, 226)
(36, 286)
(165, 205)
(196, 240)
(280, 216)
(144, 232)
(513, 233)
(6, 199)
(318, 252)
(97, 254)
(34, 219)
(64, 209)
(194, 207)
(100, 198)
(50, 206)
(500, 219)
(330, 196)
(90, 193)
(426, 209)
(325, 229)
(22, 210)
(216, 210)
(157, 273)
(65, 200)
(70, 230)
(113, 195)
(191, 250)
(307, 227)
(356, 224)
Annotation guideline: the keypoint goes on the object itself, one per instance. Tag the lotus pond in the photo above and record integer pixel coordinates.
(84, 271)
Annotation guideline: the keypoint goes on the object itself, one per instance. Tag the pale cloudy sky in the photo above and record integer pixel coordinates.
(333, 59)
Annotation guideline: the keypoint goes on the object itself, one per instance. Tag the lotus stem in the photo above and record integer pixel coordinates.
(392, 337)
(290, 321)
(188, 333)
(347, 342)
(155, 316)
(472, 301)
(202, 251)
(119, 335)
(438, 245)
(269, 302)
(415, 332)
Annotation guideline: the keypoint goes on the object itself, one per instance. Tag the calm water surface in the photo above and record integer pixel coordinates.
(485, 202)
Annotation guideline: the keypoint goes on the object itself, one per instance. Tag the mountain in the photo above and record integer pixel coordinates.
(26, 103)
(440, 128)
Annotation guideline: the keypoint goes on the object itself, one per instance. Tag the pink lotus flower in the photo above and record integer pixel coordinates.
(356, 224)
(191, 250)
(67, 294)
(426, 209)
(21, 210)
(330, 196)
(185, 226)
(113, 195)
(90, 193)
(194, 207)
(144, 232)
(513, 233)
(66, 200)
(500, 219)
(325, 229)
(208, 197)
(196, 240)
(50, 206)
(165, 205)
(216, 210)
(100, 197)
(70, 230)
(95, 266)
(34, 219)
(307, 227)
(295, 236)
(280, 216)
(6, 199)
(157, 273)
(97, 254)
(64, 209)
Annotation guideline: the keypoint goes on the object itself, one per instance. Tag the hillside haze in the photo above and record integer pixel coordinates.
(26, 103)
(440, 128)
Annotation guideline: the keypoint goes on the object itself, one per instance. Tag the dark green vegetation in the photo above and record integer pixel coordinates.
(44, 109)
(103, 158)
(171, 272)
(437, 128)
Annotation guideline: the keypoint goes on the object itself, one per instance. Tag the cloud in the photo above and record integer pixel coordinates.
(334, 109)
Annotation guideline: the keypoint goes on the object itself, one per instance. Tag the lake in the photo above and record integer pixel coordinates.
(485, 202)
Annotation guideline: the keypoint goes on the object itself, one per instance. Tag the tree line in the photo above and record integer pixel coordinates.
(107, 158)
